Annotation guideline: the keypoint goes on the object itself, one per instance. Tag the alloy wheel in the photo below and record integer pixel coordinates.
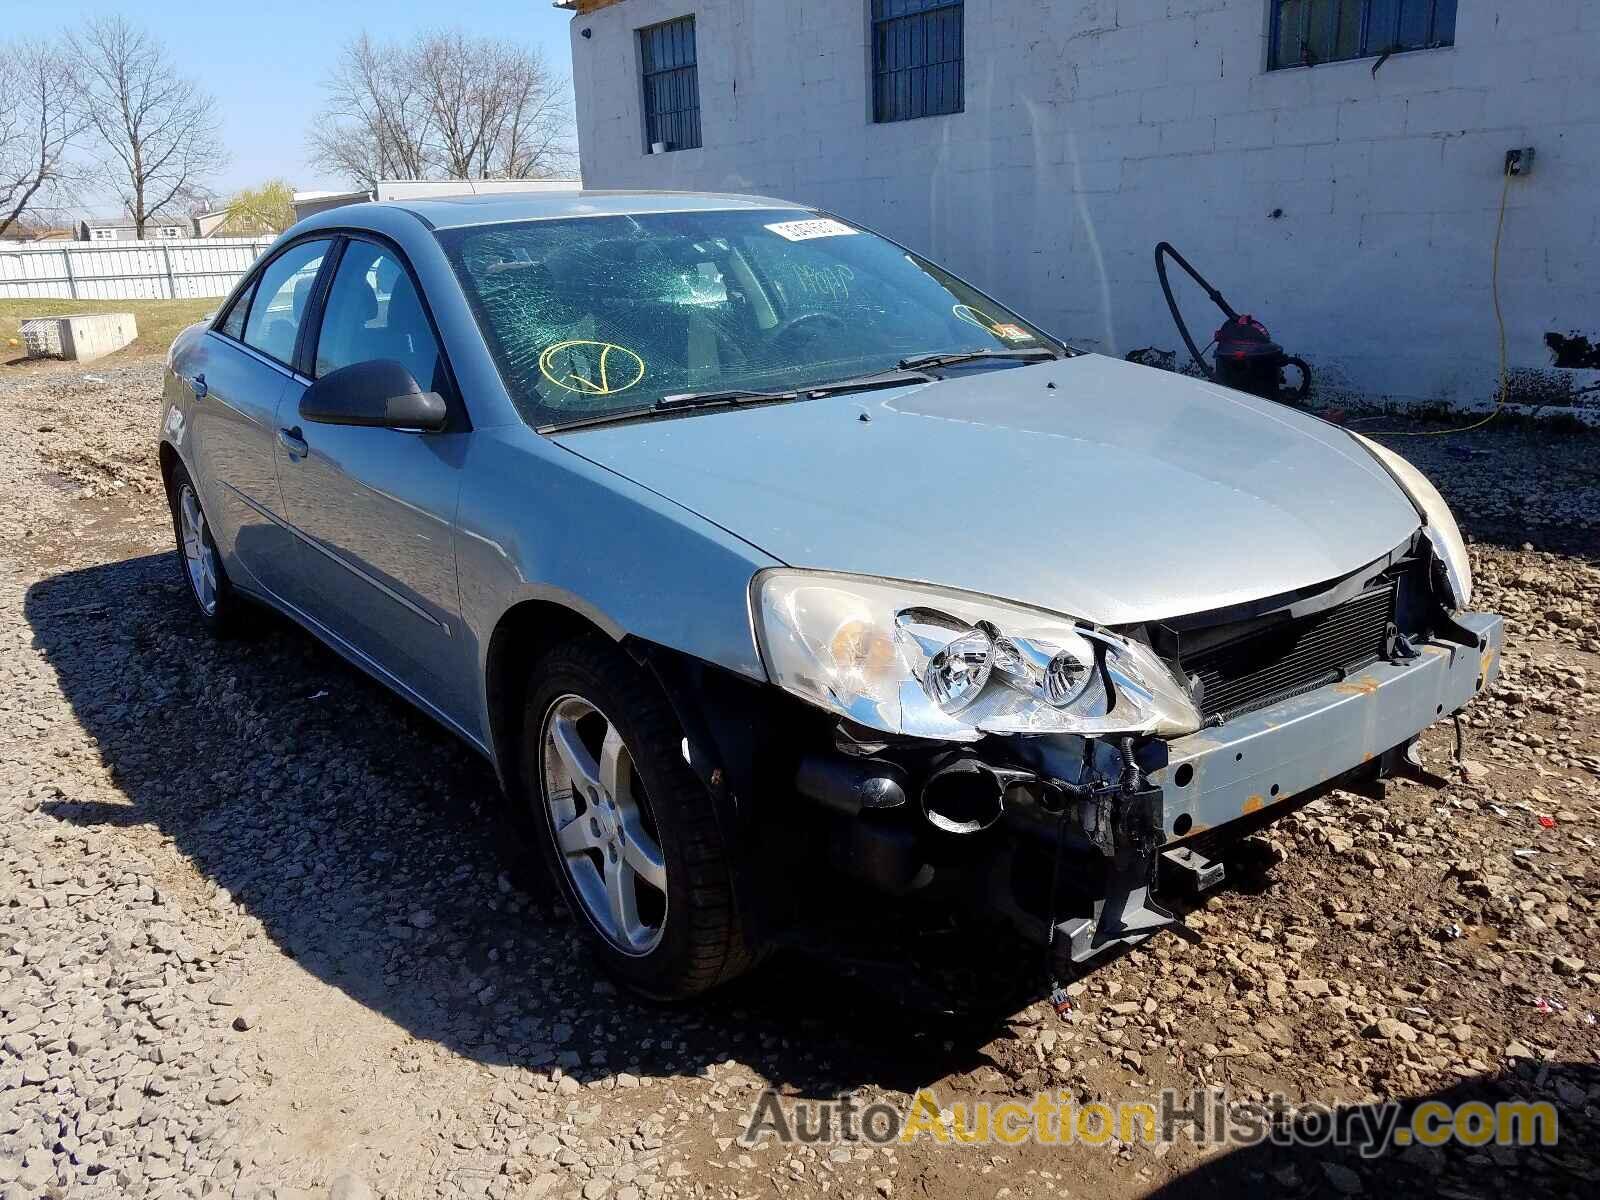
(605, 833)
(198, 555)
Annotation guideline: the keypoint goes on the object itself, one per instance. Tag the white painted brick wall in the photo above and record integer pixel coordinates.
(1095, 128)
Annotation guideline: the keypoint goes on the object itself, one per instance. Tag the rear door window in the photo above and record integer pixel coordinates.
(281, 298)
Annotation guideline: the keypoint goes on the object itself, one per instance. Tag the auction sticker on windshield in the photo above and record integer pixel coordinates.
(804, 231)
(1005, 331)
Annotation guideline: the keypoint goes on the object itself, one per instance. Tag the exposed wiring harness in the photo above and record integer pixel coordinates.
(1058, 994)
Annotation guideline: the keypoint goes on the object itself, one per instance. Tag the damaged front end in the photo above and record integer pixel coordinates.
(980, 820)
(1090, 814)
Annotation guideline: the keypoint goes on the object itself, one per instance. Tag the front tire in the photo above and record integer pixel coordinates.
(199, 562)
(628, 831)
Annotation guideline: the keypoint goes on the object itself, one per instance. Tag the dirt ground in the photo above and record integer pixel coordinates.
(257, 938)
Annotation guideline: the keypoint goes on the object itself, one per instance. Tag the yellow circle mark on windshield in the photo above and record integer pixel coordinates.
(591, 368)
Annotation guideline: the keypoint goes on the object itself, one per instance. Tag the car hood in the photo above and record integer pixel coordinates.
(1090, 486)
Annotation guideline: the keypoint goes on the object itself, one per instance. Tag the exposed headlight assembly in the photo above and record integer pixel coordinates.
(1438, 522)
(930, 662)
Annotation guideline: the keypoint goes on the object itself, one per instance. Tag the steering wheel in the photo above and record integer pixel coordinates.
(814, 322)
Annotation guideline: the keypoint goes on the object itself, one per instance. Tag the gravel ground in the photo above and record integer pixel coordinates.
(256, 939)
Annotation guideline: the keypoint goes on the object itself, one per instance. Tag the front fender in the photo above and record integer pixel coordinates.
(538, 522)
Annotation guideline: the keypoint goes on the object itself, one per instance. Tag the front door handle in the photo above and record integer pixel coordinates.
(292, 441)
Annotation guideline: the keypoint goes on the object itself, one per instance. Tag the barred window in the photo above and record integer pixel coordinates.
(916, 59)
(671, 85)
(1307, 32)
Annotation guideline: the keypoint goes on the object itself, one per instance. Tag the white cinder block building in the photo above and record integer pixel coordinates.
(1334, 166)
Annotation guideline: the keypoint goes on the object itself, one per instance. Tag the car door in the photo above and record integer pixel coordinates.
(375, 508)
(239, 373)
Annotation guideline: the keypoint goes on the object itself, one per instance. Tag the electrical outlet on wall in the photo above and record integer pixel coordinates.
(1519, 161)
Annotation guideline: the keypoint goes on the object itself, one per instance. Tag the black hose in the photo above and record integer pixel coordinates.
(1297, 395)
(1132, 777)
(1164, 249)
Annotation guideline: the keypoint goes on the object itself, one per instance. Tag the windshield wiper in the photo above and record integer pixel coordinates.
(952, 357)
(734, 397)
(865, 383)
(616, 416)
(834, 387)
(684, 400)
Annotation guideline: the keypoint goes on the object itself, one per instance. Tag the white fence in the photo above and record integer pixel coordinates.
(157, 269)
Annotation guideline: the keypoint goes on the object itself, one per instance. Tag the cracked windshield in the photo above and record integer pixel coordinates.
(610, 315)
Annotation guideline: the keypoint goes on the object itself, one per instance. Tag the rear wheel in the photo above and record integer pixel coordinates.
(627, 829)
(201, 565)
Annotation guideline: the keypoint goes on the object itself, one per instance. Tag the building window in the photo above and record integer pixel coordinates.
(1307, 32)
(916, 59)
(671, 85)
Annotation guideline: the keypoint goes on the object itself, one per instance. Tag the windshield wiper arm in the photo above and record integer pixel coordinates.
(952, 357)
(734, 397)
(731, 396)
(614, 417)
(903, 377)
(684, 400)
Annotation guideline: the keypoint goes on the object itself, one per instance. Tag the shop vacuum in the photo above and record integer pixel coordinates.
(1246, 356)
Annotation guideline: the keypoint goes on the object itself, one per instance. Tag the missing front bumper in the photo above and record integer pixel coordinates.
(1262, 759)
(1215, 787)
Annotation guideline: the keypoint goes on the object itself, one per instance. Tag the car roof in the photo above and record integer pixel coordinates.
(450, 212)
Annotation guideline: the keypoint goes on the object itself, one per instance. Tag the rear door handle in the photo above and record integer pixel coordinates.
(292, 441)
(198, 384)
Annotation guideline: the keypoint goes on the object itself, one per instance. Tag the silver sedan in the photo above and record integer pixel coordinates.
(754, 549)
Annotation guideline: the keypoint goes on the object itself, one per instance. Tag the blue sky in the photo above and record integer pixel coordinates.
(264, 62)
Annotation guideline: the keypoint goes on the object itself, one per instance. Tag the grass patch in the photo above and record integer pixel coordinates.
(159, 321)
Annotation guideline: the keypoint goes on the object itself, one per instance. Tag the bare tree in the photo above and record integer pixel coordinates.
(38, 122)
(375, 123)
(159, 131)
(464, 104)
(535, 139)
(447, 104)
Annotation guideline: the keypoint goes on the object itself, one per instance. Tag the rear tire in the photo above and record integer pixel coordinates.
(627, 829)
(199, 562)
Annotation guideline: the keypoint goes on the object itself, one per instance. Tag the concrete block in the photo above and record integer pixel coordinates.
(1372, 118)
(1162, 104)
(1189, 137)
(1454, 111)
(1308, 125)
(80, 338)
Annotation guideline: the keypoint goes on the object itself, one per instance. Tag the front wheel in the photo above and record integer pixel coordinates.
(628, 831)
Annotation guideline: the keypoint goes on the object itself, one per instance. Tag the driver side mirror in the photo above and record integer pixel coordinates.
(378, 393)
